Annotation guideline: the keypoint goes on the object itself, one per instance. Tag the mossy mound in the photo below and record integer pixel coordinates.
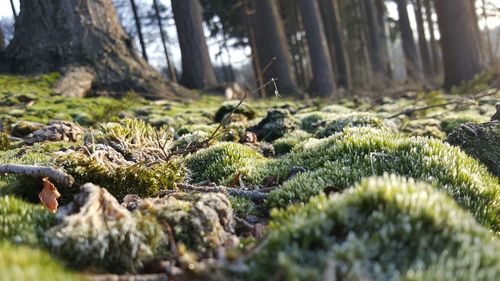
(310, 122)
(276, 124)
(221, 162)
(481, 141)
(286, 143)
(23, 263)
(22, 222)
(339, 161)
(357, 119)
(244, 109)
(427, 127)
(451, 123)
(387, 228)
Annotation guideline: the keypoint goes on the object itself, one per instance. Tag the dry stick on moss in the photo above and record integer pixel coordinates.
(254, 195)
(215, 133)
(54, 174)
(459, 101)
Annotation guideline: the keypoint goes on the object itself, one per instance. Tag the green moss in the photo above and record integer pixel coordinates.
(286, 143)
(338, 124)
(221, 162)
(244, 109)
(22, 263)
(122, 180)
(449, 124)
(310, 122)
(4, 141)
(22, 222)
(427, 127)
(342, 159)
(387, 228)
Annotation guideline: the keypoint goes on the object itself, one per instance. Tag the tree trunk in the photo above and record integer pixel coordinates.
(271, 43)
(171, 68)
(462, 57)
(380, 5)
(323, 82)
(13, 7)
(413, 62)
(197, 70)
(436, 57)
(491, 55)
(333, 31)
(2, 40)
(54, 35)
(376, 45)
(138, 26)
(422, 40)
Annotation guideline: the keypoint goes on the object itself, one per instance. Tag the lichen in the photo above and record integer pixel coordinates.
(386, 228)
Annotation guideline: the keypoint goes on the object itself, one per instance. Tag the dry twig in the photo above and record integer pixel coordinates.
(54, 174)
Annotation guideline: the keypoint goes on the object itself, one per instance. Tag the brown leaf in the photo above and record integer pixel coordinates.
(49, 195)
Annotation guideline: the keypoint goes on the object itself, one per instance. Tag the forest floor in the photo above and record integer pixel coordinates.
(403, 188)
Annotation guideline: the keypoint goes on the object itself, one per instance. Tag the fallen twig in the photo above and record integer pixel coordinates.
(54, 174)
(254, 195)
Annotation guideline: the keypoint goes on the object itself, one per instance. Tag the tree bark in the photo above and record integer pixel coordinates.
(171, 69)
(436, 57)
(333, 31)
(197, 70)
(138, 26)
(462, 58)
(13, 7)
(422, 40)
(323, 81)
(377, 53)
(2, 40)
(413, 62)
(54, 35)
(271, 43)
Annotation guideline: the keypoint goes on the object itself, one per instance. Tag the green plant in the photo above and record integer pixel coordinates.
(338, 124)
(385, 228)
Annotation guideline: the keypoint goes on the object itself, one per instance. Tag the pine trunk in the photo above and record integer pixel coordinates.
(323, 81)
(422, 40)
(271, 43)
(197, 70)
(55, 35)
(462, 58)
(436, 56)
(413, 62)
(138, 27)
(376, 45)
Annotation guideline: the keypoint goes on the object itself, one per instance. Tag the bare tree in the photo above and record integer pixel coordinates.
(413, 62)
(436, 57)
(377, 48)
(138, 26)
(422, 40)
(171, 68)
(13, 7)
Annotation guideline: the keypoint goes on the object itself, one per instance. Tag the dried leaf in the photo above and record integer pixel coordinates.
(49, 195)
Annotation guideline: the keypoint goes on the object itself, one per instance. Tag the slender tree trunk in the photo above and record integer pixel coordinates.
(59, 35)
(249, 14)
(197, 70)
(138, 26)
(462, 58)
(380, 5)
(422, 40)
(2, 40)
(171, 68)
(13, 7)
(376, 46)
(336, 42)
(271, 43)
(323, 82)
(413, 62)
(491, 55)
(436, 57)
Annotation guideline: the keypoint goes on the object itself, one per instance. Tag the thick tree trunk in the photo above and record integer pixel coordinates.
(197, 70)
(54, 35)
(413, 62)
(323, 82)
(462, 58)
(376, 45)
(422, 40)
(436, 57)
(271, 43)
(171, 69)
(138, 26)
(333, 31)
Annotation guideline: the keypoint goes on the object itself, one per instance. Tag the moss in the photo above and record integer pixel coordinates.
(221, 162)
(449, 124)
(310, 122)
(276, 124)
(385, 228)
(342, 159)
(186, 129)
(4, 141)
(23, 263)
(427, 127)
(122, 180)
(338, 124)
(244, 207)
(22, 222)
(286, 143)
(244, 109)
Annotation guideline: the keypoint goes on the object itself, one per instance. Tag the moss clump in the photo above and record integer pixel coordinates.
(221, 162)
(310, 122)
(22, 222)
(286, 143)
(342, 159)
(449, 124)
(276, 124)
(125, 179)
(424, 128)
(227, 107)
(338, 124)
(22, 263)
(481, 141)
(387, 228)
(4, 141)
(187, 129)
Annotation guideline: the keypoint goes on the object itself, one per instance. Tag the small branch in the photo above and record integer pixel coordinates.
(254, 195)
(54, 174)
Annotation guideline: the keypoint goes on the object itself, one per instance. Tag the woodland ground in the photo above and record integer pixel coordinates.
(402, 188)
